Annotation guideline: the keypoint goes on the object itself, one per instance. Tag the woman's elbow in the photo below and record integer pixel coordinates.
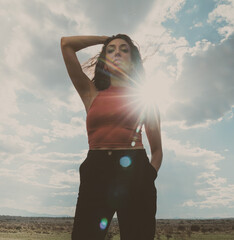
(63, 42)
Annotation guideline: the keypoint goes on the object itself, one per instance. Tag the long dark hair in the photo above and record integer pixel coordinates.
(101, 77)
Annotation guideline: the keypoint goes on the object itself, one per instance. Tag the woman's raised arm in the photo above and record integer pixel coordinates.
(69, 47)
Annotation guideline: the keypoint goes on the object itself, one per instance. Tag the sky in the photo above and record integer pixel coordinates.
(188, 49)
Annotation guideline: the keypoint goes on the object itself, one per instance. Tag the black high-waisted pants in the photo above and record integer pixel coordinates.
(119, 181)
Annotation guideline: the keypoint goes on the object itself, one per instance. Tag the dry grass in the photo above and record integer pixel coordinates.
(26, 228)
(183, 229)
(30, 228)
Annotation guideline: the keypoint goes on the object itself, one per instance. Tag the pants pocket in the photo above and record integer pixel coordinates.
(153, 171)
(82, 165)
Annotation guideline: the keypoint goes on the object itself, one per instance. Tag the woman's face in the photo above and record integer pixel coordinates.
(118, 57)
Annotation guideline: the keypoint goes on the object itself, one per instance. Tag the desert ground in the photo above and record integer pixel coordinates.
(42, 228)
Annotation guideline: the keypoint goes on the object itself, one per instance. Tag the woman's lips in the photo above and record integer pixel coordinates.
(117, 61)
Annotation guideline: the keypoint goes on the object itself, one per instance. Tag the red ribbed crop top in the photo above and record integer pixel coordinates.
(113, 120)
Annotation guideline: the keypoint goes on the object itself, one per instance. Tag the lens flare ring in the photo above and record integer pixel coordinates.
(125, 161)
(103, 224)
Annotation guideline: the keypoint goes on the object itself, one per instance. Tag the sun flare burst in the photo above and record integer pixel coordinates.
(148, 95)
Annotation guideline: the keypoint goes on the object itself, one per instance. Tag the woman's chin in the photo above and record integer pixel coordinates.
(120, 72)
(121, 75)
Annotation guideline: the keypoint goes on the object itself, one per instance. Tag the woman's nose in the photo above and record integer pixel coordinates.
(117, 54)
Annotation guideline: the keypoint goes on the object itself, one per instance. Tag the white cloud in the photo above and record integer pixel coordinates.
(150, 34)
(31, 171)
(73, 103)
(19, 157)
(204, 89)
(212, 191)
(8, 99)
(64, 194)
(14, 144)
(193, 9)
(163, 10)
(29, 130)
(54, 158)
(34, 204)
(40, 175)
(64, 179)
(60, 157)
(71, 13)
(45, 170)
(75, 128)
(202, 72)
(31, 57)
(159, 49)
(220, 195)
(197, 25)
(224, 12)
(194, 156)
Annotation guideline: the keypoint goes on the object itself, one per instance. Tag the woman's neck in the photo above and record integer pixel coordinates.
(119, 82)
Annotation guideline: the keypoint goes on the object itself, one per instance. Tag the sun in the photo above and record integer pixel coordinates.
(154, 93)
(147, 95)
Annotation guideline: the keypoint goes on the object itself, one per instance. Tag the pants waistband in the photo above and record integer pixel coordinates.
(118, 152)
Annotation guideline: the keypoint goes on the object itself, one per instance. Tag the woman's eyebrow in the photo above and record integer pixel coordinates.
(122, 45)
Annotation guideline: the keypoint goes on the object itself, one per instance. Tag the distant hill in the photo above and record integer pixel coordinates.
(23, 213)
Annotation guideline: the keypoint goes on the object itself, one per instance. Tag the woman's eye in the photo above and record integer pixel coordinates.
(110, 50)
(125, 50)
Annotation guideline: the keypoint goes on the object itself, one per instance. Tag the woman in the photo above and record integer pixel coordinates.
(116, 176)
